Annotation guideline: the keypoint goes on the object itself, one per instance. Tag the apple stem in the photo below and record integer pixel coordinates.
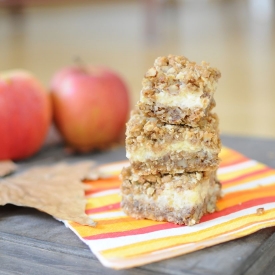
(80, 63)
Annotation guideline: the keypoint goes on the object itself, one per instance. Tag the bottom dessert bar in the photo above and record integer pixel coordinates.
(181, 198)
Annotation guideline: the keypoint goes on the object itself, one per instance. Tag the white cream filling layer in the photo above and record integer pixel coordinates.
(143, 153)
(183, 99)
(178, 200)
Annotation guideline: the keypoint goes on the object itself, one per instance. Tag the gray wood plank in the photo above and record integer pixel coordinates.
(269, 270)
(262, 258)
(47, 245)
(31, 223)
(260, 149)
(25, 259)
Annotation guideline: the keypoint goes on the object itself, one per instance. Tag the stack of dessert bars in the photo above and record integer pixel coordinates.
(172, 143)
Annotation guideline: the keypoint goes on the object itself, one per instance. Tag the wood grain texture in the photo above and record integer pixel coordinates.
(32, 242)
(45, 259)
(261, 260)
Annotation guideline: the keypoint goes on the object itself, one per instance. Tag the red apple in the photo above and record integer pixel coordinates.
(25, 115)
(90, 105)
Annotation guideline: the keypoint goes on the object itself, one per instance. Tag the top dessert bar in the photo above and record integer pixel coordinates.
(178, 91)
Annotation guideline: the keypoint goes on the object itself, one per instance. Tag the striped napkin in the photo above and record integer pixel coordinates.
(119, 241)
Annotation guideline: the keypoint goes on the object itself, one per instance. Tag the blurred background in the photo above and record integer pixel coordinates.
(236, 36)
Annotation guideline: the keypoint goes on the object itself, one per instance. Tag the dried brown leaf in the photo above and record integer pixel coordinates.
(56, 190)
(6, 167)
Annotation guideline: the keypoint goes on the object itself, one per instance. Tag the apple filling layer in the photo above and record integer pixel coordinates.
(181, 198)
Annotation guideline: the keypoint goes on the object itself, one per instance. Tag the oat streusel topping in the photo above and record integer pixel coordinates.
(169, 73)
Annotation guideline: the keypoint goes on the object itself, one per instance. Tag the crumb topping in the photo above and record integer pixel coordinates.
(172, 73)
(154, 133)
(154, 184)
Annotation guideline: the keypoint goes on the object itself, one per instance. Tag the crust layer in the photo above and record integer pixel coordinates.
(175, 163)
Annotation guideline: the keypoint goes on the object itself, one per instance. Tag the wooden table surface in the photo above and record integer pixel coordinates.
(32, 242)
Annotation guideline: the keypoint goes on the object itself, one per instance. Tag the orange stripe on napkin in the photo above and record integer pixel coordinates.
(167, 242)
(231, 157)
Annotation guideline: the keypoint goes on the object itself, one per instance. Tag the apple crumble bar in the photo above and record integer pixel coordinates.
(181, 198)
(155, 147)
(178, 91)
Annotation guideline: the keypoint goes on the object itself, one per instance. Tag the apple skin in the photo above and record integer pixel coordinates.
(25, 115)
(90, 106)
